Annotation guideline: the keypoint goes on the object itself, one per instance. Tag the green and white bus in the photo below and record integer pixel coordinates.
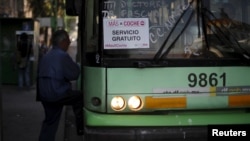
(163, 69)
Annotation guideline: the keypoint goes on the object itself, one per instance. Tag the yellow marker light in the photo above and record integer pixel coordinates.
(117, 103)
(135, 103)
(165, 102)
(239, 100)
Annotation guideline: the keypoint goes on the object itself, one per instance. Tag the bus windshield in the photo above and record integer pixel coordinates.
(174, 29)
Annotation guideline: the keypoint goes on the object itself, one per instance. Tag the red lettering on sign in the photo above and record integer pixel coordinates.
(113, 23)
(131, 23)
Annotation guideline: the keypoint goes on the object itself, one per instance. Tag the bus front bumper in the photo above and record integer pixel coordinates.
(192, 133)
(193, 126)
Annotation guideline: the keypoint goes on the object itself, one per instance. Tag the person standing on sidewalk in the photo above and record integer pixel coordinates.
(56, 70)
(43, 49)
(24, 51)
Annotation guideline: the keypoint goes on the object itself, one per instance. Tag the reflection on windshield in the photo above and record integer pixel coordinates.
(176, 29)
(228, 35)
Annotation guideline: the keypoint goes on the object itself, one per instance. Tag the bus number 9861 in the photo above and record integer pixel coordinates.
(204, 80)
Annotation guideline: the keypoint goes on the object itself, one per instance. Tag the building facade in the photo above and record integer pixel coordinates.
(15, 8)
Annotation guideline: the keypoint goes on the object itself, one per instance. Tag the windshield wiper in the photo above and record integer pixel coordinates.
(159, 52)
(175, 40)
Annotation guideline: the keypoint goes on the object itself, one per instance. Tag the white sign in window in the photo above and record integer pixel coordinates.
(126, 33)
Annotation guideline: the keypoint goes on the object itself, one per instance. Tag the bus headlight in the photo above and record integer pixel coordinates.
(118, 103)
(135, 103)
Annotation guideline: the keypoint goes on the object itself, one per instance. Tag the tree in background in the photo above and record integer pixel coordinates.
(47, 8)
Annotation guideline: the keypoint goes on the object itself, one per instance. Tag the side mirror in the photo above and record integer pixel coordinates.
(73, 7)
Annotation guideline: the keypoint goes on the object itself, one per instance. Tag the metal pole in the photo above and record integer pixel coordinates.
(54, 15)
(1, 107)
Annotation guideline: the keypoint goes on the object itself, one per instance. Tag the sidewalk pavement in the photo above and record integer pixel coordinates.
(23, 115)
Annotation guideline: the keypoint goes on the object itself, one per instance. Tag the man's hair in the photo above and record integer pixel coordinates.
(58, 36)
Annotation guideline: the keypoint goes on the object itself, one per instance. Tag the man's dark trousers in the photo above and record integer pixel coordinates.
(53, 112)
